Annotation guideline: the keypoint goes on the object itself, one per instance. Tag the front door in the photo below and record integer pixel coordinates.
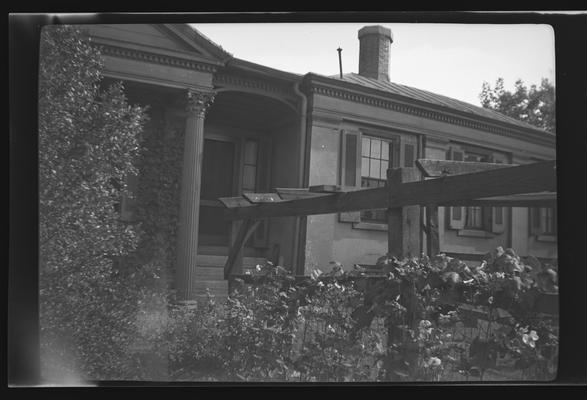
(218, 180)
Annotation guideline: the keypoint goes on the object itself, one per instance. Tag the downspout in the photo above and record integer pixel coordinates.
(301, 171)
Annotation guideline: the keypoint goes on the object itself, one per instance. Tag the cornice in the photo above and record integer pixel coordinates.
(223, 79)
(419, 111)
(154, 58)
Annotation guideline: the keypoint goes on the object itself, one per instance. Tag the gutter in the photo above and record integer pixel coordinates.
(301, 173)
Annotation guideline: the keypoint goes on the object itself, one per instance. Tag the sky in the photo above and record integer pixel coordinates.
(449, 59)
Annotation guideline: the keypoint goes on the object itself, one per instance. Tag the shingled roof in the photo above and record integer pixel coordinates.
(432, 98)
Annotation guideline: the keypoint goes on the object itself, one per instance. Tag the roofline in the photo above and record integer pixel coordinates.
(382, 93)
(188, 32)
(258, 68)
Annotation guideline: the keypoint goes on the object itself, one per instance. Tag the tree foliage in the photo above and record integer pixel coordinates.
(534, 105)
(88, 140)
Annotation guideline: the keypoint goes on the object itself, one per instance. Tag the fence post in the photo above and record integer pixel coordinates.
(403, 223)
(432, 240)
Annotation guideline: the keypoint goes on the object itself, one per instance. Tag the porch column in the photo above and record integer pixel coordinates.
(187, 249)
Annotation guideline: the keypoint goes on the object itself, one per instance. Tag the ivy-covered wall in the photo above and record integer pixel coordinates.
(156, 211)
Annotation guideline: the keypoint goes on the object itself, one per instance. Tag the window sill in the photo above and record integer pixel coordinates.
(475, 233)
(546, 238)
(370, 226)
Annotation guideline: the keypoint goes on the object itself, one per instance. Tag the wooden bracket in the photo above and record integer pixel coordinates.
(247, 228)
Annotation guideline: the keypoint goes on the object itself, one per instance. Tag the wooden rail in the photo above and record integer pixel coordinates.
(446, 190)
(432, 184)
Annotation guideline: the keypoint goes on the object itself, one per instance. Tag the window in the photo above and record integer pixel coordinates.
(489, 219)
(250, 166)
(255, 166)
(474, 218)
(365, 158)
(543, 221)
(475, 215)
(375, 156)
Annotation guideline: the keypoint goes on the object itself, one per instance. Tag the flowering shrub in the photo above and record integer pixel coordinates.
(425, 319)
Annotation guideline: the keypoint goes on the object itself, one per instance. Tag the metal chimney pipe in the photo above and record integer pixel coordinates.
(340, 61)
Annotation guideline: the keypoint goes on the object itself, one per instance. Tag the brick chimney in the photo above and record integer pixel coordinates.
(374, 52)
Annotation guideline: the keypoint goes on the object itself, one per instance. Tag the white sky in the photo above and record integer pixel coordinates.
(448, 59)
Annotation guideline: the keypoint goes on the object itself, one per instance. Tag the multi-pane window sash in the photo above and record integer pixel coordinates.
(375, 159)
(250, 166)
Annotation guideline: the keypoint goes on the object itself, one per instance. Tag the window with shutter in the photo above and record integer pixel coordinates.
(409, 154)
(497, 213)
(456, 215)
(365, 159)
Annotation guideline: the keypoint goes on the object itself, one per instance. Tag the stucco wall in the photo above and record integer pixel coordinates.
(331, 240)
(327, 239)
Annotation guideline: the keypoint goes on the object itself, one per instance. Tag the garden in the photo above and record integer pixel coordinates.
(422, 319)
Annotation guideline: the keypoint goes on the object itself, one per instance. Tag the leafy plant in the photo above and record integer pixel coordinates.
(88, 142)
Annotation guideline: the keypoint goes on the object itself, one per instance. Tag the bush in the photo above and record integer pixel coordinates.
(406, 320)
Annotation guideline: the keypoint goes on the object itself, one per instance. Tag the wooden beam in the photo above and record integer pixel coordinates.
(262, 197)
(325, 188)
(233, 202)
(437, 168)
(529, 178)
(247, 228)
(544, 199)
(500, 203)
(297, 193)
(331, 188)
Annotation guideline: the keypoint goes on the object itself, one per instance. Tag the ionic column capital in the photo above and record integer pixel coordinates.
(199, 102)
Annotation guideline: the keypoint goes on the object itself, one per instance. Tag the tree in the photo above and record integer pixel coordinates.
(535, 106)
(88, 140)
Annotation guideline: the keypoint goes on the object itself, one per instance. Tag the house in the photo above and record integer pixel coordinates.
(236, 126)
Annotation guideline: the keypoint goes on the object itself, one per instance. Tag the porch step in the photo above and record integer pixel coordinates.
(210, 273)
(207, 260)
(216, 287)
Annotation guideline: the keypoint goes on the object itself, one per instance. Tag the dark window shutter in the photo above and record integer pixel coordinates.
(350, 168)
(498, 220)
(350, 157)
(409, 155)
(456, 217)
(487, 215)
(536, 227)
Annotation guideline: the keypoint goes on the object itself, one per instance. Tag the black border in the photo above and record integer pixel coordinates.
(22, 286)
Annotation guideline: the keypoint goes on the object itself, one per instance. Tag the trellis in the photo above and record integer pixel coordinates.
(431, 184)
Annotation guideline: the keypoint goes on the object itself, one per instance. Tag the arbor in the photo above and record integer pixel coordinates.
(535, 105)
(88, 140)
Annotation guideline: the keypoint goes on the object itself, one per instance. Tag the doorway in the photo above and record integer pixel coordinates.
(219, 171)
